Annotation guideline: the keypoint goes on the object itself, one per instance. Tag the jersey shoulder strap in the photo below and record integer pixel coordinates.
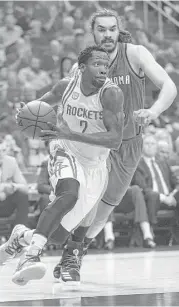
(108, 84)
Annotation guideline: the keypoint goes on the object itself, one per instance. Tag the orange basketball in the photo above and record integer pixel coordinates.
(34, 117)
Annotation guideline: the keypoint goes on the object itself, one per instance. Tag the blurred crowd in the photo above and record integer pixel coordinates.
(39, 43)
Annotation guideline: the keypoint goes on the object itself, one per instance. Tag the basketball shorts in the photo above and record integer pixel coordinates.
(93, 182)
(123, 165)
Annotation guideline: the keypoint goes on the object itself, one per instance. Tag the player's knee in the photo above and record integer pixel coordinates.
(66, 193)
(68, 186)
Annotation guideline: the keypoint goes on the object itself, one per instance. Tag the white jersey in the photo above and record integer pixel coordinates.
(84, 114)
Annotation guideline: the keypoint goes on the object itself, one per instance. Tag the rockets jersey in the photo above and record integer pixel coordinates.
(132, 86)
(84, 114)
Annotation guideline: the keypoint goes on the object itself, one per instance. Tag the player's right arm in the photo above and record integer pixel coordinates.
(57, 91)
(55, 94)
(52, 97)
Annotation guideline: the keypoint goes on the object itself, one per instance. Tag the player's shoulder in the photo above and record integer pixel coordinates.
(111, 88)
(73, 71)
(112, 95)
(135, 52)
(60, 86)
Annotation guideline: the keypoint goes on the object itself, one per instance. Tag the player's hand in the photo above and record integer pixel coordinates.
(61, 132)
(22, 104)
(144, 116)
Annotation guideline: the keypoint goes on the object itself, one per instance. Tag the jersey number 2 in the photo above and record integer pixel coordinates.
(83, 123)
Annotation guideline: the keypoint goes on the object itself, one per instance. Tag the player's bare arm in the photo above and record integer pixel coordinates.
(52, 97)
(143, 58)
(113, 119)
(56, 93)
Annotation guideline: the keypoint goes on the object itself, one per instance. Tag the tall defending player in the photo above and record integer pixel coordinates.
(93, 108)
(128, 65)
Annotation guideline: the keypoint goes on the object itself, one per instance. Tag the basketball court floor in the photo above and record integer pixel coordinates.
(131, 278)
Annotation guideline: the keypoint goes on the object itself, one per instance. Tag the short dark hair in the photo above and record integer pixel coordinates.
(87, 53)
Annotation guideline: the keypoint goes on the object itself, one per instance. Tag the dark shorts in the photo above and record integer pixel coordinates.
(123, 165)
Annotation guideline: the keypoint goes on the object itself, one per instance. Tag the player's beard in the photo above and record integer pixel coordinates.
(102, 43)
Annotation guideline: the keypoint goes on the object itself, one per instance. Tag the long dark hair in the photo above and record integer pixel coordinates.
(124, 36)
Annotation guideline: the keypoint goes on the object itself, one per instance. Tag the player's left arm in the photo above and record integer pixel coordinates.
(159, 77)
(113, 119)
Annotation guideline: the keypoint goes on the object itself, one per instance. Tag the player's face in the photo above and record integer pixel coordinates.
(106, 32)
(97, 68)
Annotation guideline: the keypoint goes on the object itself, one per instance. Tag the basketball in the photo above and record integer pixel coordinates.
(34, 117)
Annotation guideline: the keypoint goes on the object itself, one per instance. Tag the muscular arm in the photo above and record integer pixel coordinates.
(56, 93)
(113, 119)
(159, 77)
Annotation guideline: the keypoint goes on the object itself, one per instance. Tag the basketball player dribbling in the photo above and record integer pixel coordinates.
(77, 165)
(128, 66)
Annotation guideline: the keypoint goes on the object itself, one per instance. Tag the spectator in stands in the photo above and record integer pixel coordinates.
(67, 31)
(88, 37)
(24, 50)
(23, 18)
(3, 85)
(10, 32)
(150, 129)
(14, 90)
(156, 180)
(169, 57)
(133, 200)
(163, 151)
(29, 93)
(51, 61)
(9, 7)
(38, 38)
(1, 17)
(76, 44)
(163, 134)
(77, 14)
(35, 28)
(80, 43)
(66, 65)
(2, 52)
(55, 76)
(13, 150)
(174, 161)
(68, 27)
(13, 189)
(136, 27)
(34, 75)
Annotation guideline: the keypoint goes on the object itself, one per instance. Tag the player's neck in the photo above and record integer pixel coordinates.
(113, 54)
(86, 89)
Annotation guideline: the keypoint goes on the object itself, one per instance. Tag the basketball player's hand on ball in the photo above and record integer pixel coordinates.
(61, 132)
(22, 104)
(144, 116)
